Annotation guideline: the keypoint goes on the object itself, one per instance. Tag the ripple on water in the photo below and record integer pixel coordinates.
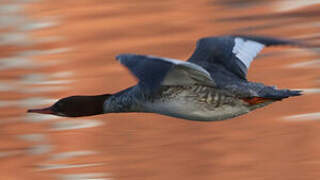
(56, 51)
(10, 8)
(71, 154)
(37, 25)
(39, 149)
(23, 39)
(38, 79)
(9, 20)
(43, 52)
(288, 5)
(42, 79)
(23, 59)
(27, 103)
(62, 74)
(27, 1)
(75, 124)
(19, 39)
(309, 64)
(42, 89)
(46, 167)
(16, 62)
(10, 153)
(6, 87)
(33, 137)
(85, 176)
(33, 117)
(52, 82)
(310, 91)
(303, 117)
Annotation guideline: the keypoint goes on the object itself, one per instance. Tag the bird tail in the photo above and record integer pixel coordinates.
(284, 93)
(275, 96)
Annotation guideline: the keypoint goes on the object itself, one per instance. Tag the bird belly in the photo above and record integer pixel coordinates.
(197, 111)
(199, 103)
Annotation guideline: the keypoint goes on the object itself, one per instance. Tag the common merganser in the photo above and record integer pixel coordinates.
(210, 86)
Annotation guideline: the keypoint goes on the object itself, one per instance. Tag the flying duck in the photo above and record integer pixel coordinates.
(210, 86)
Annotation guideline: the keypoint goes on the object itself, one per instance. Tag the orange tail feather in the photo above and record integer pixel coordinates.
(257, 100)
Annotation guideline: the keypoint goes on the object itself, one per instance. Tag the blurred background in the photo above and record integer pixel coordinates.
(51, 49)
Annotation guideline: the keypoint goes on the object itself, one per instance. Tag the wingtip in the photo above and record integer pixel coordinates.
(123, 56)
(297, 93)
(119, 57)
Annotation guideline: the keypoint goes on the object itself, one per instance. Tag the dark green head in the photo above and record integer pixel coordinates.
(75, 106)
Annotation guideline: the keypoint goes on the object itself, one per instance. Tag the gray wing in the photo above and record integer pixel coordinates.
(233, 53)
(154, 72)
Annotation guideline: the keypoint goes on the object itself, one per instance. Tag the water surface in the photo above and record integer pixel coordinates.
(51, 50)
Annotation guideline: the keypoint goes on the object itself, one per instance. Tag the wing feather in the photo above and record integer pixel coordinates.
(154, 72)
(234, 53)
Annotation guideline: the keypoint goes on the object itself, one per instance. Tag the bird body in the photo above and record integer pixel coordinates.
(210, 86)
(197, 102)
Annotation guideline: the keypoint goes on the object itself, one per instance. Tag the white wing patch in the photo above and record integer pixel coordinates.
(247, 50)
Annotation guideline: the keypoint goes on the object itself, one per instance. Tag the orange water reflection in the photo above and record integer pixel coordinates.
(51, 50)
